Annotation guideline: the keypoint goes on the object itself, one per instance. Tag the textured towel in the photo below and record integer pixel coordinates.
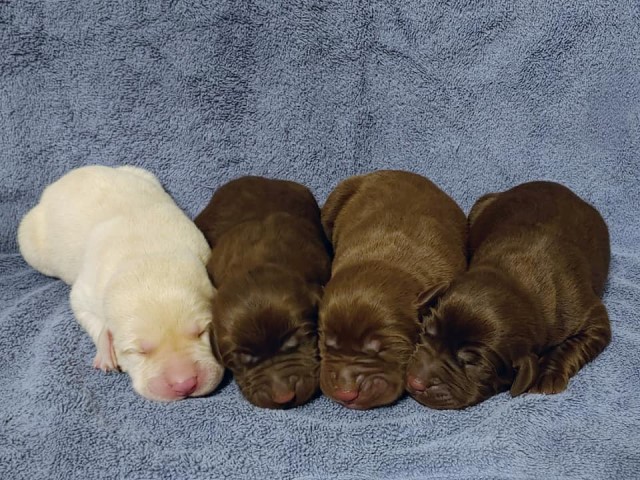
(476, 95)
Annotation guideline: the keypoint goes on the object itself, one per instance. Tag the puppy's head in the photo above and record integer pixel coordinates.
(365, 342)
(467, 350)
(158, 319)
(265, 332)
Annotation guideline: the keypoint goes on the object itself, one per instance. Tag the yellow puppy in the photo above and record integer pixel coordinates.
(136, 264)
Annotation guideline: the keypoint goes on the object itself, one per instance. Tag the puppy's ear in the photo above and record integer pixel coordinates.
(210, 273)
(526, 374)
(482, 203)
(427, 299)
(336, 201)
(214, 345)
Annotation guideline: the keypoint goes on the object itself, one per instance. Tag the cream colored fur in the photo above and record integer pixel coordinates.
(136, 264)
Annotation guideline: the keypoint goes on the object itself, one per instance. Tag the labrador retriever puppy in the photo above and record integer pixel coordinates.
(527, 315)
(269, 261)
(136, 264)
(395, 236)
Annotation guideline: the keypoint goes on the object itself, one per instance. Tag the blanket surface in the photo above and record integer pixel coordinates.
(476, 95)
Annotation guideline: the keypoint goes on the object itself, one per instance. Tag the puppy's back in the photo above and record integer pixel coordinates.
(544, 212)
(281, 240)
(396, 217)
(53, 235)
(253, 198)
(253, 221)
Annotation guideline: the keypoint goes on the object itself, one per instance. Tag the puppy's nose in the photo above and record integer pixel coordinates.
(416, 383)
(283, 397)
(283, 388)
(185, 387)
(346, 384)
(346, 395)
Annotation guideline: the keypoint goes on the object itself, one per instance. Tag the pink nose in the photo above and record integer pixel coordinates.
(283, 397)
(346, 395)
(185, 387)
(416, 383)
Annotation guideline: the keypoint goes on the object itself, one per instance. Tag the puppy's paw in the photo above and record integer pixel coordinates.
(105, 358)
(105, 363)
(550, 383)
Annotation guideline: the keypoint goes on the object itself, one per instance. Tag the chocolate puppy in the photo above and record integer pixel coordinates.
(395, 235)
(269, 261)
(527, 314)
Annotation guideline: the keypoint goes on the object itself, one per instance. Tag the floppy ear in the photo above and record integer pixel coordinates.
(210, 274)
(428, 298)
(482, 203)
(526, 374)
(336, 201)
(214, 345)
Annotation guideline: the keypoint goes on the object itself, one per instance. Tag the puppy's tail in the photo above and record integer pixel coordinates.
(32, 240)
(336, 202)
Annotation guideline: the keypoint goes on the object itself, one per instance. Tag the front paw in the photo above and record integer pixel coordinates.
(105, 358)
(550, 383)
(105, 363)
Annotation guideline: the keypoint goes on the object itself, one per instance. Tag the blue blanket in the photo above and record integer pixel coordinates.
(478, 96)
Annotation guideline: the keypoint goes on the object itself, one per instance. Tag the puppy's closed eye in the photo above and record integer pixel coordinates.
(331, 342)
(247, 359)
(468, 357)
(372, 346)
(203, 331)
(198, 330)
(134, 351)
(290, 344)
(144, 347)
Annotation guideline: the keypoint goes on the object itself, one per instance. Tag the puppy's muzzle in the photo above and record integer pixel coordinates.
(431, 391)
(283, 392)
(182, 378)
(359, 387)
(186, 387)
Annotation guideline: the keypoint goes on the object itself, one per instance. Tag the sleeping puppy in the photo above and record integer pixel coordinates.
(269, 262)
(527, 315)
(395, 235)
(136, 264)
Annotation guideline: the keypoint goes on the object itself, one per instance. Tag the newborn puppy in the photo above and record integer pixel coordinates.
(136, 264)
(527, 315)
(269, 262)
(395, 235)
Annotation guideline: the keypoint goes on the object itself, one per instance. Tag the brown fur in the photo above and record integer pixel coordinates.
(527, 314)
(269, 262)
(395, 235)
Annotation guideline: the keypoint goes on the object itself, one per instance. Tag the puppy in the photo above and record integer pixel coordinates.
(527, 315)
(136, 264)
(395, 236)
(269, 262)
